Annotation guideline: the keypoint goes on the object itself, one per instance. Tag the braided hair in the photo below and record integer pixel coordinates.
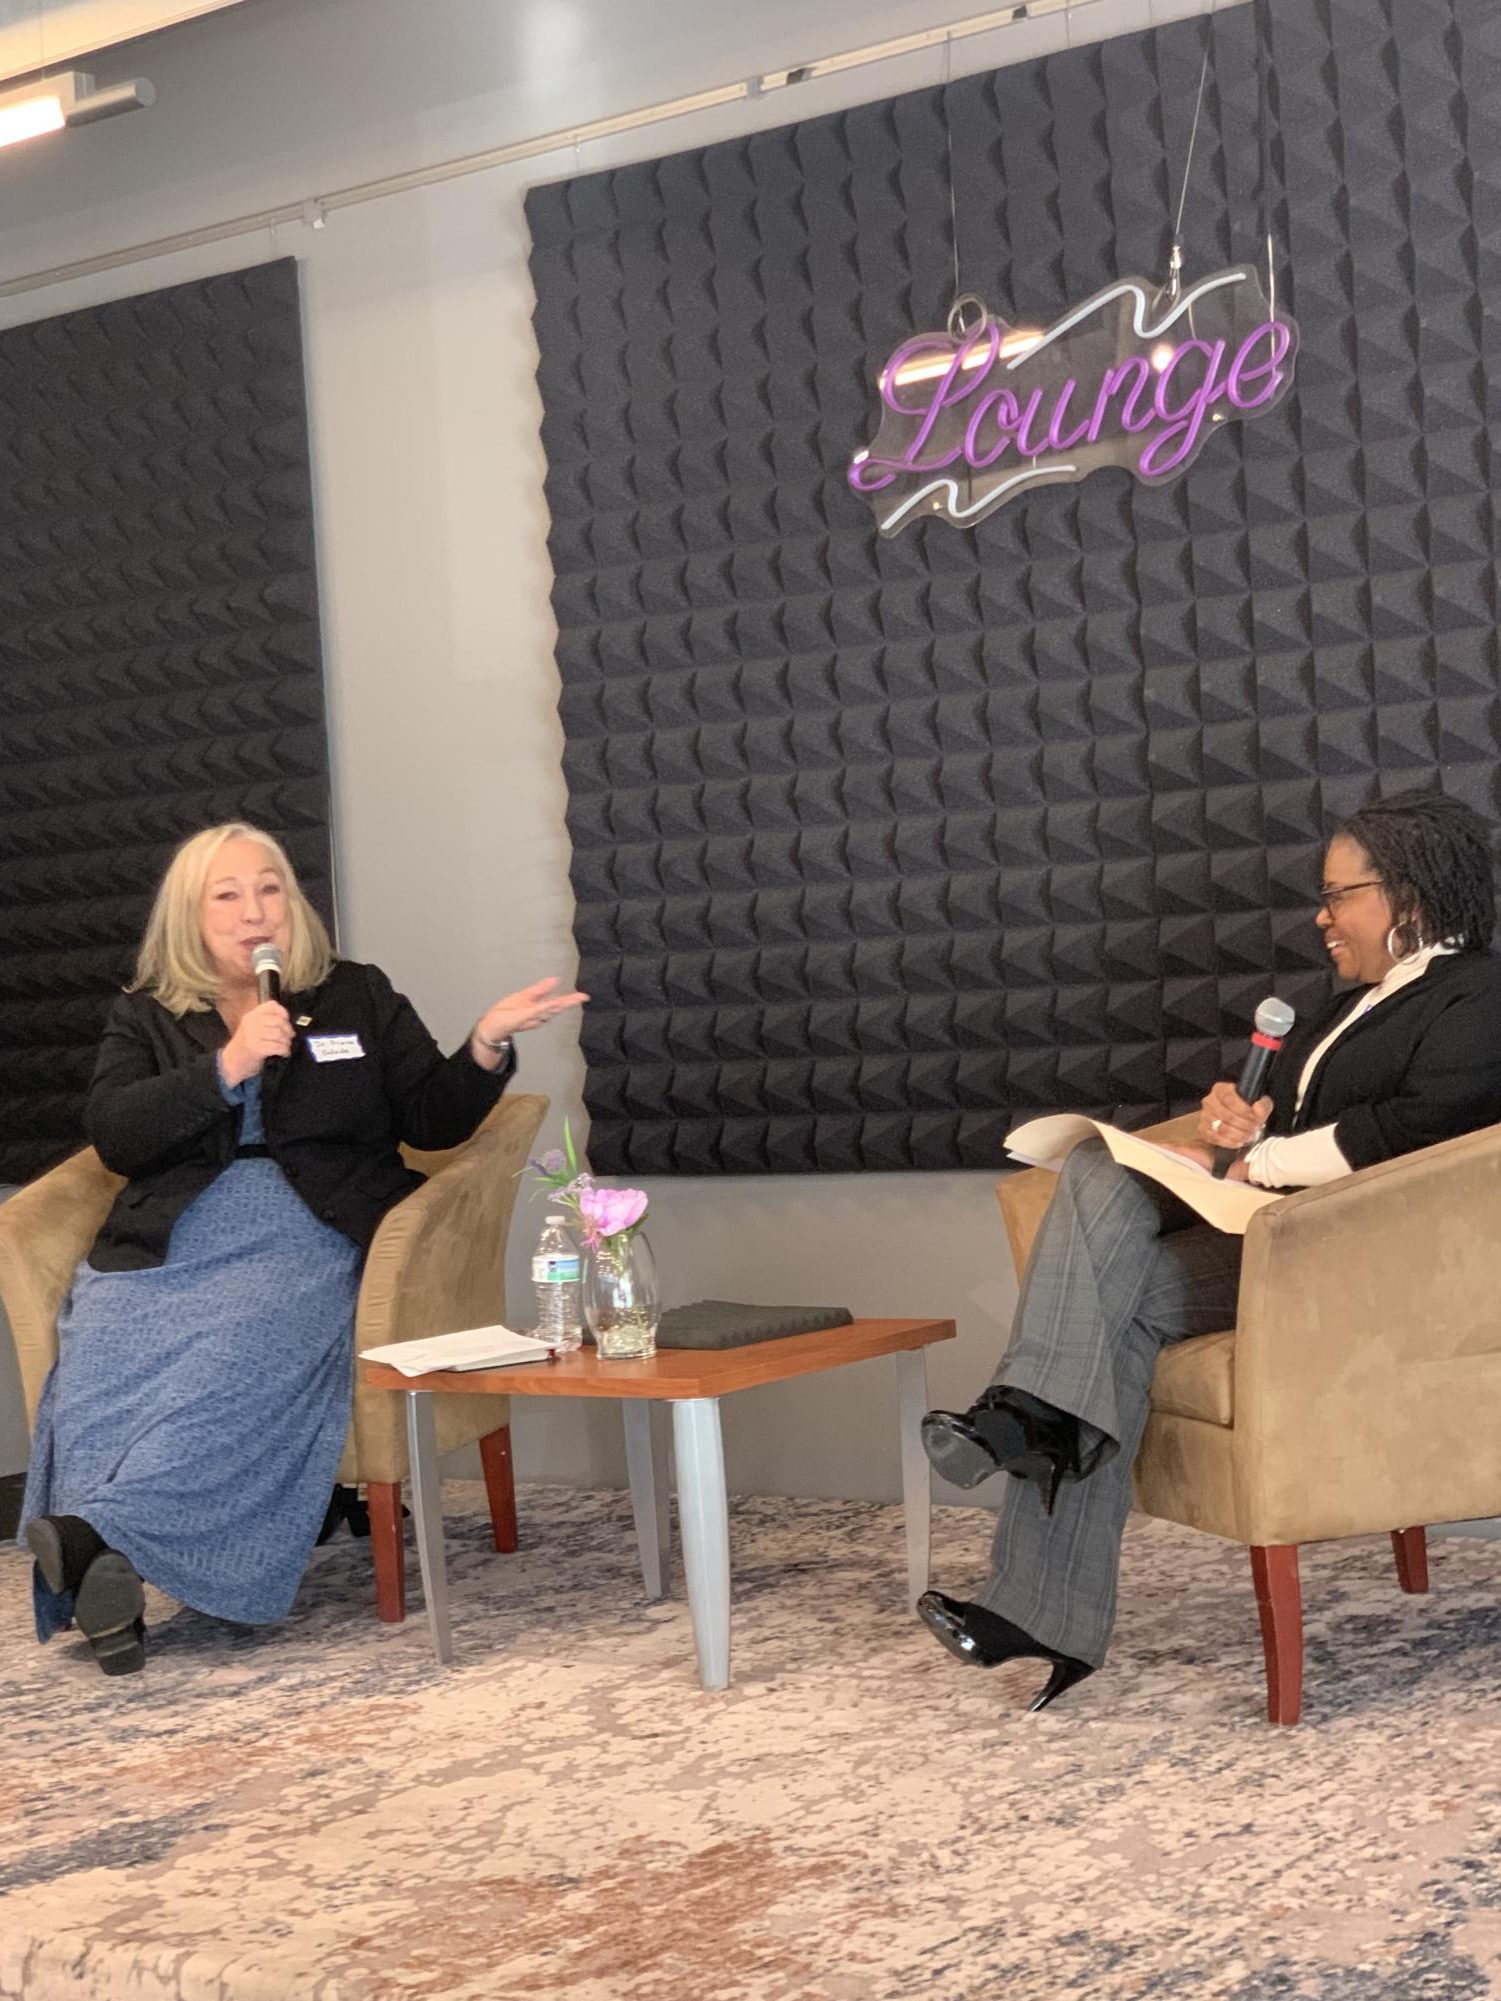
(1433, 854)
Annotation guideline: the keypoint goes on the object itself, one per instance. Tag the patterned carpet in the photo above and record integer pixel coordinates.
(317, 1811)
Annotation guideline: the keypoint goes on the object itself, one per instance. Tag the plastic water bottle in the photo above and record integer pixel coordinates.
(560, 1293)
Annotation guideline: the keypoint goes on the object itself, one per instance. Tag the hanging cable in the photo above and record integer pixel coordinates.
(1261, 27)
(1175, 261)
(948, 133)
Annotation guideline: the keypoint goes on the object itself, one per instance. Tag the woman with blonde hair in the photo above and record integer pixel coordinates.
(191, 1429)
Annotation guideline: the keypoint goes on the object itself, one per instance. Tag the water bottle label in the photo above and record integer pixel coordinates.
(556, 1268)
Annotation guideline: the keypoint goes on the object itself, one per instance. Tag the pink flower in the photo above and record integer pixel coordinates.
(606, 1212)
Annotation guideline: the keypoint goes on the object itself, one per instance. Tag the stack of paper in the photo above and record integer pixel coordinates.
(1228, 1205)
(475, 1348)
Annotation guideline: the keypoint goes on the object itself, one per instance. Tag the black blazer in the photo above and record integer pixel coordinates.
(1423, 1066)
(157, 1114)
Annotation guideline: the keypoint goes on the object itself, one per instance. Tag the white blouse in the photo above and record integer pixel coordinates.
(1305, 1160)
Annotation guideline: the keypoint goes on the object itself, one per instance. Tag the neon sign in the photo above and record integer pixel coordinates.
(974, 417)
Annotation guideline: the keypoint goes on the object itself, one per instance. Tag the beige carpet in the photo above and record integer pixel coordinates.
(317, 1811)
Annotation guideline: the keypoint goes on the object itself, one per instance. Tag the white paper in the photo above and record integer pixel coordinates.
(474, 1348)
(1228, 1205)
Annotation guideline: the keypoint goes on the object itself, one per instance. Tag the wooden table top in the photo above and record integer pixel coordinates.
(676, 1373)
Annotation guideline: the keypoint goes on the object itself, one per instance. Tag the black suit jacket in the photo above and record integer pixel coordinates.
(1423, 1066)
(157, 1114)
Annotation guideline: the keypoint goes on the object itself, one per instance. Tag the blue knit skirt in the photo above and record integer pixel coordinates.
(197, 1410)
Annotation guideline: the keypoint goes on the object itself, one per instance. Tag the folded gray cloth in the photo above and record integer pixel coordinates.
(726, 1323)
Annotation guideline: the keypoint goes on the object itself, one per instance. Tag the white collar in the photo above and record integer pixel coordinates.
(1404, 972)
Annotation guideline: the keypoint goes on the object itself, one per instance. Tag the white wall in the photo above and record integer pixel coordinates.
(438, 633)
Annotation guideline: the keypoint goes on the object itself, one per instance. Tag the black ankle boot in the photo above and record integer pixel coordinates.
(345, 1506)
(64, 1546)
(1004, 1431)
(985, 1639)
(110, 1611)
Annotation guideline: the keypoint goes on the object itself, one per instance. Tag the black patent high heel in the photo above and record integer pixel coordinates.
(985, 1639)
(1004, 1431)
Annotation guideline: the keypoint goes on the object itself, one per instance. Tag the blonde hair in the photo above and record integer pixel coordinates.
(174, 965)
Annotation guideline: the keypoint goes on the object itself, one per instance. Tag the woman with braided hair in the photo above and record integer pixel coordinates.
(1121, 1269)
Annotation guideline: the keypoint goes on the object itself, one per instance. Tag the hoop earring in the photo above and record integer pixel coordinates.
(1412, 943)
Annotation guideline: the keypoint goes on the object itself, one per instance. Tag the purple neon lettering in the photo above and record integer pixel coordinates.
(1056, 441)
(1110, 383)
(1176, 445)
(1131, 395)
(866, 475)
(1279, 339)
(951, 388)
(1024, 425)
(921, 347)
(1000, 404)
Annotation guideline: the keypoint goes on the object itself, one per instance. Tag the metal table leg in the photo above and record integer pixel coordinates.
(427, 1518)
(704, 1523)
(649, 1505)
(917, 1476)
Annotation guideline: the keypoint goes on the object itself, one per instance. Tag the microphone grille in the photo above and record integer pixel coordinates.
(1274, 1017)
(267, 959)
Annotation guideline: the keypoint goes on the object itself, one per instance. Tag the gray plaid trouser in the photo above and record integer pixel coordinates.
(1119, 1271)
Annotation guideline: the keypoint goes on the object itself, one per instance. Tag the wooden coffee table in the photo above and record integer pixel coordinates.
(692, 1380)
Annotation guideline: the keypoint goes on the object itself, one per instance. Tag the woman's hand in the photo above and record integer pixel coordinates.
(1225, 1119)
(264, 1031)
(529, 1007)
(1203, 1156)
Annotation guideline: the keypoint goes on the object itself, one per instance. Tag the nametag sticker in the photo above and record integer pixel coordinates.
(334, 1048)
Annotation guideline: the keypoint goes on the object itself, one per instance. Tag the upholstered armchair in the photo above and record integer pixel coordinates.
(437, 1264)
(1358, 1390)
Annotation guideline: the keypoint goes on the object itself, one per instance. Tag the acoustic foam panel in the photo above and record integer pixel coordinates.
(159, 653)
(879, 845)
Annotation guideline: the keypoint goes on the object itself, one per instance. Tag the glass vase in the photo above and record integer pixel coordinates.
(622, 1301)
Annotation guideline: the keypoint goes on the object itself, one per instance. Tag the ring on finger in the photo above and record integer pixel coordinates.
(1215, 1124)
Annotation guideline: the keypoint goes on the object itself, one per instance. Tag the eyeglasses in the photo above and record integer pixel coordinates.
(1330, 899)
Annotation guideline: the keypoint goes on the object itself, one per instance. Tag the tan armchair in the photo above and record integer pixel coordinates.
(437, 1264)
(1357, 1392)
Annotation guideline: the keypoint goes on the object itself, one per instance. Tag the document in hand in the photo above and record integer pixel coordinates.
(1228, 1205)
(475, 1348)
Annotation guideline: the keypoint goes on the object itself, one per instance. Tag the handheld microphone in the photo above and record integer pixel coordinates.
(265, 963)
(1273, 1019)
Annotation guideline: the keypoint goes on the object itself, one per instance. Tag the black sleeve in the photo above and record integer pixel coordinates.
(1452, 1085)
(136, 1112)
(437, 1100)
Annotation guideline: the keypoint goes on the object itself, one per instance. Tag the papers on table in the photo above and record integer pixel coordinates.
(474, 1348)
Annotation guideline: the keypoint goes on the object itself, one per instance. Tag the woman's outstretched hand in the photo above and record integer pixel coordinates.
(513, 1014)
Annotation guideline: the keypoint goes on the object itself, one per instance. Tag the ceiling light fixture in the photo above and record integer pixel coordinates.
(49, 103)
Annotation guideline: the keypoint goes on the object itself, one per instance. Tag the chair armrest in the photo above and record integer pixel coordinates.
(1024, 1195)
(438, 1260)
(45, 1229)
(1368, 1346)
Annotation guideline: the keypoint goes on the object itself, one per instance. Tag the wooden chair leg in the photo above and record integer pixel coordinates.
(1410, 1548)
(1279, 1600)
(500, 1486)
(388, 1547)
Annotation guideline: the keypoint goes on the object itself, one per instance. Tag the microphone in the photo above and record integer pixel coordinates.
(1273, 1020)
(265, 963)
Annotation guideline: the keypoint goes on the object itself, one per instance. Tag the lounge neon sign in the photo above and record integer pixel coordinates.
(970, 419)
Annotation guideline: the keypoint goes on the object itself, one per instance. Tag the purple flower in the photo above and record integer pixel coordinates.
(606, 1212)
(555, 1161)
